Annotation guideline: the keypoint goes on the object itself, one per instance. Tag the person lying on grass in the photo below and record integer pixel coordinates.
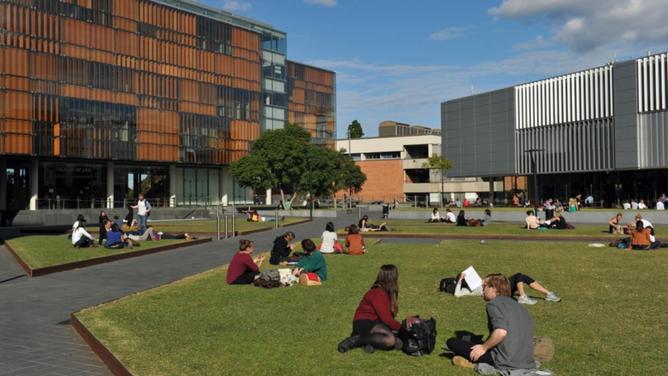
(117, 239)
(517, 282)
(311, 262)
(355, 241)
(511, 330)
(364, 225)
(243, 268)
(374, 324)
(282, 248)
(80, 237)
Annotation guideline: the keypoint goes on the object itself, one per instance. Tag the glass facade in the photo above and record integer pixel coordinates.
(274, 81)
(122, 79)
(313, 101)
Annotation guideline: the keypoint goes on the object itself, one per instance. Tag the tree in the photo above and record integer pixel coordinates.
(355, 129)
(278, 158)
(439, 163)
(286, 158)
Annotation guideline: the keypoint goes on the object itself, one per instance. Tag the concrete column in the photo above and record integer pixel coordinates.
(172, 186)
(34, 183)
(491, 190)
(110, 185)
(223, 177)
(3, 184)
(268, 198)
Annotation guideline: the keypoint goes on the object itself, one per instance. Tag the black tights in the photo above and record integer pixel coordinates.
(380, 337)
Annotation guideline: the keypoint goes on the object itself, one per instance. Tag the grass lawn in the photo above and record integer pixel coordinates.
(40, 251)
(209, 226)
(418, 226)
(612, 320)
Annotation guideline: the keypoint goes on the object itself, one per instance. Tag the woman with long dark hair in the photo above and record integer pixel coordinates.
(374, 326)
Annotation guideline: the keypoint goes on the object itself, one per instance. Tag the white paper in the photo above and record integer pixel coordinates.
(472, 278)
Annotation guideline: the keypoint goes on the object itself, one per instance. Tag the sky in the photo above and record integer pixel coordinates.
(398, 60)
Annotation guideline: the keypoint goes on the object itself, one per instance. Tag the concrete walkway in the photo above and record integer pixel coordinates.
(35, 335)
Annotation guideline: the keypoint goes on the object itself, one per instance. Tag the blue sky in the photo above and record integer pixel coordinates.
(398, 60)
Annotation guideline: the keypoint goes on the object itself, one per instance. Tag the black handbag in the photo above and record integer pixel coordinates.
(420, 339)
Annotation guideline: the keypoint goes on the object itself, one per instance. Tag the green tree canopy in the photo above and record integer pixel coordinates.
(286, 158)
(355, 129)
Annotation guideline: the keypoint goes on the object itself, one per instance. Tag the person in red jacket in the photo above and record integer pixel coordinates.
(243, 268)
(374, 326)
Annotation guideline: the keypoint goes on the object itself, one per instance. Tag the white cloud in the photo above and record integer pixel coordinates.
(450, 33)
(536, 43)
(325, 3)
(588, 25)
(237, 6)
(372, 91)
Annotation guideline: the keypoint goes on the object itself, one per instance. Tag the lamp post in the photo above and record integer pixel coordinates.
(310, 194)
(534, 172)
(350, 189)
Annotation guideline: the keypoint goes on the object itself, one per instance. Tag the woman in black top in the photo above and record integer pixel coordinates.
(282, 248)
(461, 219)
(102, 221)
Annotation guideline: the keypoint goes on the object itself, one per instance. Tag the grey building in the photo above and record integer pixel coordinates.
(600, 131)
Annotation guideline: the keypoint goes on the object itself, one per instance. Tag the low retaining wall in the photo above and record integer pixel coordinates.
(68, 216)
(98, 260)
(657, 217)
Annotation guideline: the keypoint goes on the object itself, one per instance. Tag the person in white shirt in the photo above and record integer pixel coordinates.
(450, 216)
(143, 211)
(626, 205)
(80, 237)
(329, 240)
(517, 282)
(641, 205)
(660, 205)
(435, 216)
(634, 205)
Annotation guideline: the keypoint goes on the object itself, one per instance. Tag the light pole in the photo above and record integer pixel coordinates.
(310, 197)
(350, 189)
(534, 172)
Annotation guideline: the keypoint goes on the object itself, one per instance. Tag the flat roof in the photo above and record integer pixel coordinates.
(311, 66)
(221, 15)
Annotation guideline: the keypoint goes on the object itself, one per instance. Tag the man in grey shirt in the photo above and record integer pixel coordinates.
(511, 330)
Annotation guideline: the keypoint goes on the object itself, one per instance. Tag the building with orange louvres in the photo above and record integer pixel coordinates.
(103, 99)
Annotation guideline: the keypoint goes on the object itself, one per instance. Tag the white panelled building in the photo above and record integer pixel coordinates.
(601, 131)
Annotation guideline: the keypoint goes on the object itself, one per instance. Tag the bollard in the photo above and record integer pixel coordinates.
(226, 227)
(218, 222)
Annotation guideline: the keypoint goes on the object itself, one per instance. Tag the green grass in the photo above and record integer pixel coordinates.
(39, 251)
(209, 225)
(612, 320)
(409, 226)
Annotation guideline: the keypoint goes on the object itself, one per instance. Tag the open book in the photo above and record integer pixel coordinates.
(472, 278)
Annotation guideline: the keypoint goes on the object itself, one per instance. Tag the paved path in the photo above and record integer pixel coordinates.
(35, 335)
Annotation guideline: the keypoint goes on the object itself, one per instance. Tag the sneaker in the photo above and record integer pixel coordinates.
(369, 349)
(523, 299)
(460, 361)
(552, 297)
(348, 343)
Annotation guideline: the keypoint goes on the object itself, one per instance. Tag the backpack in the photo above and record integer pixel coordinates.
(448, 285)
(268, 279)
(420, 339)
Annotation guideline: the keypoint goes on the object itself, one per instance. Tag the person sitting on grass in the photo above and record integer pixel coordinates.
(374, 324)
(641, 238)
(449, 216)
(461, 219)
(532, 222)
(355, 241)
(80, 237)
(329, 240)
(517, 282)
(558, 222)
(364, 225)
(487, 219)
(311, 262)
(282, 248)
(435, 217)
(102, 222)
(470, 222)
(615, 224)
(510, 343)
(254, 216)
(243, 268)
(117, 239)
